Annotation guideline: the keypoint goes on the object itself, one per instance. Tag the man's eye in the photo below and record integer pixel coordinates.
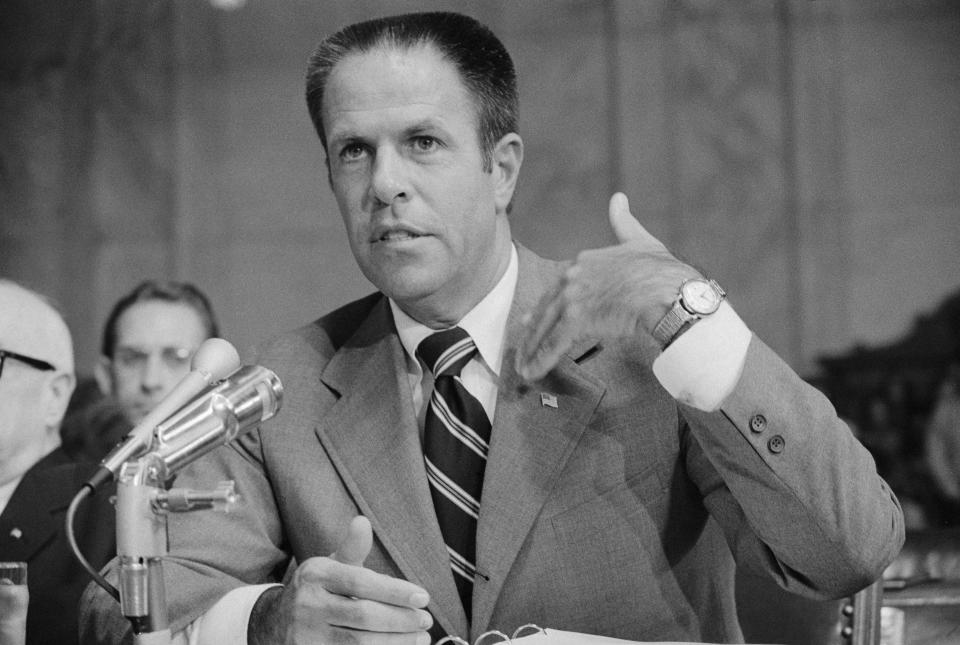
(352, 152)
(130, 357)
(425, 144)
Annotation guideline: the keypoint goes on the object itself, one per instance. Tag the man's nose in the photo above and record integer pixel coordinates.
(154, 373)
(388, 182)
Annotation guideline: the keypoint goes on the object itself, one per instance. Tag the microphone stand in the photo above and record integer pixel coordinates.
(142, 507)
(247, 397)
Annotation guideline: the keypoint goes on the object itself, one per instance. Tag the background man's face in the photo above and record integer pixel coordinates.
(30, 405)
(156, 341)
(407, 171)
(21, 407)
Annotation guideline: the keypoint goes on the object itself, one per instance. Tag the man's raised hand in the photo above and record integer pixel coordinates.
(611, 292)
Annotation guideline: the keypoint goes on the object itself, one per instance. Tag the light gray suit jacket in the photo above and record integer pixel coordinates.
(617, 512)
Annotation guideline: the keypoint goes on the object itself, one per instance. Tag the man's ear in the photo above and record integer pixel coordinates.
(506, 162)
(59, 389)
(103, 377)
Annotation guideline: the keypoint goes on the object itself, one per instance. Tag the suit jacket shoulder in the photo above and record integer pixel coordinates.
(321, 338)
(32, 530)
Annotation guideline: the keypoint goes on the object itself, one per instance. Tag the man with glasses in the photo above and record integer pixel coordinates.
(148, 342)
(37, 479)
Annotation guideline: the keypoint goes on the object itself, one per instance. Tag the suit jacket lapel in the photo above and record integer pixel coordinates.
(530, 444)
(372, 437)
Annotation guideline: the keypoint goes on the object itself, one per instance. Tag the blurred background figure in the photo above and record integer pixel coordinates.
(943, 445)
(37, 478)
(94, 422)
(889, 437)
(148, 343)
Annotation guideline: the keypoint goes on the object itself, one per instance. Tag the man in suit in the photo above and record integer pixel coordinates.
(634, 450)
(149, 340)
(150, 336)
(37, 479)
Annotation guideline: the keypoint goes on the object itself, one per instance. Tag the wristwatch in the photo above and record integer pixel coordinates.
(697, 298)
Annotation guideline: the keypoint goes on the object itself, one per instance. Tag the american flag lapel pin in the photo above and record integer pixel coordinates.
(548, 400)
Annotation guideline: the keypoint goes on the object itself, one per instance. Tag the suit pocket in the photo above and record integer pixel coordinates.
(609, 549)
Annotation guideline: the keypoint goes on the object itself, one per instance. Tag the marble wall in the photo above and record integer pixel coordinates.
(802, 152)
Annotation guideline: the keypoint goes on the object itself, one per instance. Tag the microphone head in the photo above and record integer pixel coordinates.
(238, 404)
(216, 357)
(215, 360)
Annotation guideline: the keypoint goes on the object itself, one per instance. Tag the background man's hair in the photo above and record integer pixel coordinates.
(57, 311)
(165, 291)
(482, 61)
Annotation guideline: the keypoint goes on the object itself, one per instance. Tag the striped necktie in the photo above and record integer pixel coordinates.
(455, 440)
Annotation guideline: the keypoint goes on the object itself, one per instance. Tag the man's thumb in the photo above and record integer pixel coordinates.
(625, 226)
(355, 547)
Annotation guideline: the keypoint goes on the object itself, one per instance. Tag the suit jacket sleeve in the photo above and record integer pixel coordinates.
(798, 497)
(208, 545)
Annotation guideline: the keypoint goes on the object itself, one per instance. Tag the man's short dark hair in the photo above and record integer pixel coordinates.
(164, 291)
(482, 61)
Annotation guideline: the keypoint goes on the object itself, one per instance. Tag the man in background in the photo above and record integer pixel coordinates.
(37, 479)
(943, 445)
(149, 340)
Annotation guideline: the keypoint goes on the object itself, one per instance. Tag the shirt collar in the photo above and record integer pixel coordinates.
(6, 492)
(486, 322)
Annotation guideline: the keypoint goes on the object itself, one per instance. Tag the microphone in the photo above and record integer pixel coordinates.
(240, 402)
(249, 396)
(214, 360)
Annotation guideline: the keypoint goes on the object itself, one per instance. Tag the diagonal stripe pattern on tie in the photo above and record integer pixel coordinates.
(455, 442)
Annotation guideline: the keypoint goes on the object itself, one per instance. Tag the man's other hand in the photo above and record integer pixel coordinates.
(611, 292)
(333, 600)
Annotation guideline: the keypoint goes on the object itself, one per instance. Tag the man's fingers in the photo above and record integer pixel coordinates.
(541, 346)
(358, 582)
(347, 636)
(356, 546)
(355, 581)
(587, 300)
(625, 226)
(334, 599)
(336, 635)
(374, 616)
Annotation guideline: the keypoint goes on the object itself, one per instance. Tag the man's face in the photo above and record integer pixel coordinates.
(32, 400)
(22, 423)
(406, 167)
(156, 341)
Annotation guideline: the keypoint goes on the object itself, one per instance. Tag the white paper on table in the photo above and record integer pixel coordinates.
(550, 636)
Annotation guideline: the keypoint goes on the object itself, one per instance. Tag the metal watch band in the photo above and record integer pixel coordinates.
(672, 322)
(679, 316)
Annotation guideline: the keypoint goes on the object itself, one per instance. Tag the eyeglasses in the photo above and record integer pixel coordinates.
(134, 358)
(35, 363)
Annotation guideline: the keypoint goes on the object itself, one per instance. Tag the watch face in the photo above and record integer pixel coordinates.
(699, 297)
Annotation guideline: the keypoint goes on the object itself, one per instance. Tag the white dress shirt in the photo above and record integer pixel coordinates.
(6, 492)
(487, 325)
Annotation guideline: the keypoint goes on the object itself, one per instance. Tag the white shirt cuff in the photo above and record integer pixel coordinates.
(225, 623)
(703, 365)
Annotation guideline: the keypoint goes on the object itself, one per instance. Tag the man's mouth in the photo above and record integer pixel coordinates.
(394, 235)
(397, 236)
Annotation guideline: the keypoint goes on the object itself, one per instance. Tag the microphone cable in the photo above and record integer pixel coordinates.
(84, 492)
